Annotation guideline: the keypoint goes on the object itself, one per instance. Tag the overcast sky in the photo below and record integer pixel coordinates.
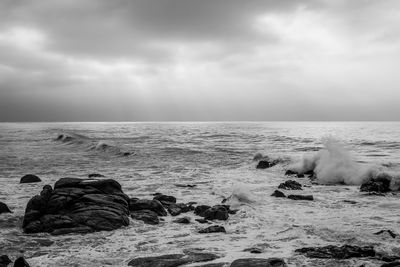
(191, 60)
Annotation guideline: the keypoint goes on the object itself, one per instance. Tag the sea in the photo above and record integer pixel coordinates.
(217, 160)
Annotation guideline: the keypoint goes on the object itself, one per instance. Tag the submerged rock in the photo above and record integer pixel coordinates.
(390, 232)
(95, 175)
(29, 178)
(381, 184)
(278, 193)
(183, 220)
(4, 261)
(271, 262)
(290, 185)
(172, 260)
(213, 229)
(202, 221)
(218, 212)
(148, 216)
(290, 172)
(336, 252)
(4, 208)
(146, 204)
(77, 206)
(301, 197)
(21, 262)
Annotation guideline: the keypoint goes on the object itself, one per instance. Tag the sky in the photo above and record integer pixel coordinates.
(199, 60)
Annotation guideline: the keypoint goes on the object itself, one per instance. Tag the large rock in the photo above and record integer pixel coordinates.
(77, 206)
(335, 252)
(4, 261)
(199, 210)
(21, 262)
(4, 208)
(218, 212)
(278, 193)
(271, 262)
(172, 260)
(145, 204)
(148, 216)
(290, 185)
(165, 199)
(380, 184)
(29, 178)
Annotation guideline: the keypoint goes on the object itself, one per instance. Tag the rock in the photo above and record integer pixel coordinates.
(218, 212)
(202, 221)
(253, 250)
(199, 210)
(184, 220)
(95, 175)
(165, 199)
(391, 264)
(77, 205)
(271, 262)
(148, 216)
(172, 260)
(300, 175)
(185, 185)
(290, 185)
(335, 252)
(213, 229)
(218, 264)
(178, 208)
(381, 184)
(290, 172)
(4, 208)
(278, 193)
(29, 178)
(390, 232)
(21, 262)
(301, 197)
(4, 261)
(310, 173)
(145, 204)
(264, 164)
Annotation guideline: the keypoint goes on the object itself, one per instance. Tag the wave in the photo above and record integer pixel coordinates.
(334, 164)
(90, 144)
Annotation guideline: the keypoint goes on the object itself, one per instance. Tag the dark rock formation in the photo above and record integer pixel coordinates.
(335, 252)
(199, 210)
(264, 164)
(381, 184)
(4, 261)
(391, 264)
(145, 204)
(172, 260)
(77, 206)
(290, 185)
(95, 175)
(4, 208)
(278, 193)
(271, 262)
(290, 172)
(21, 262)
(148, 216)
(301, 197)
(253, 250)
(218, 212)
(29, 178)
(390, 232)
(213, 229)
(165, 199)
(202, 221)
(184, 220)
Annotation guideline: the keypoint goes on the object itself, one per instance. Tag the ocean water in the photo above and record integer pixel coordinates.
(218, 158)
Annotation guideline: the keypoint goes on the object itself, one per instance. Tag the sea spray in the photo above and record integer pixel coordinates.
(334, 164)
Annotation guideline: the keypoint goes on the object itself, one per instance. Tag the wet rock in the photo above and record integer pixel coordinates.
(213, 229)
(4, 261)
(253, 250)
(391, 264)
(381, 184)
(264, 164)
(199, 210)
(4, 208)
(336, 252)
(148, 216)
(202, 221)
(290, 172)
(290, 185)
(29, 178)
(300, 175)
(186, 185)
(310, 173)
(165, 199)
(172, 260)
(350, 201)
(77, 205)
(21, 262)
(178, 208)
(301, 197)
(218, 212)
(145, 204)
(95, 175)
(271, 262)
(390, 232)
(278, 193)
(183, 220)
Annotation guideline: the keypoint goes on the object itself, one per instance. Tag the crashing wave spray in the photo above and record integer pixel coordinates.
(334, 165)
